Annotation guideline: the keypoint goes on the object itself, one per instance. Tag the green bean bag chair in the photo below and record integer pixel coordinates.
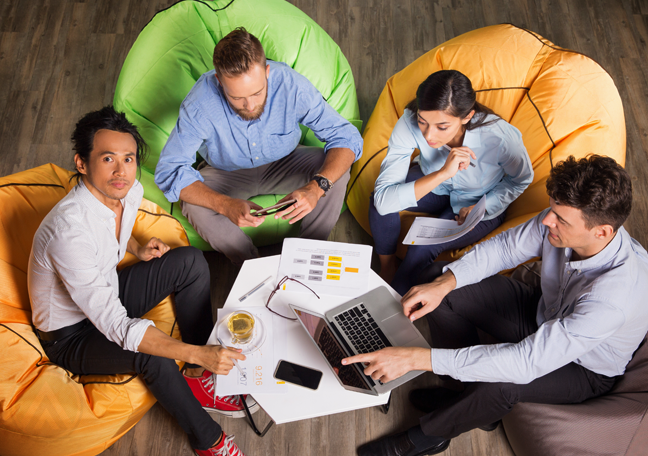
(176, 48)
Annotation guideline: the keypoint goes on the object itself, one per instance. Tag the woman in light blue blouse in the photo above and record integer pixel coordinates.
(466, 152)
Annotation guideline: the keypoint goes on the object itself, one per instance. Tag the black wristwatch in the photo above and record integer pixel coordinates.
(323, 183)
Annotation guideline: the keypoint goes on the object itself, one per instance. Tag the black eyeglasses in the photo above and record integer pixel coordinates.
(281, 282)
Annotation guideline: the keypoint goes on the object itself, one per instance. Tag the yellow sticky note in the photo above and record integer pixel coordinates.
(351, 270)
(281, 383)
(332, 258)
(412, 242)
(332, 271)
(333, 277)
(335, 265)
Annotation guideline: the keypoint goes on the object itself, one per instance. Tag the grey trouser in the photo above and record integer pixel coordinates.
(280, 177)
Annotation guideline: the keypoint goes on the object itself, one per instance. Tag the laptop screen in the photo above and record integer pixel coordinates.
(323, 336)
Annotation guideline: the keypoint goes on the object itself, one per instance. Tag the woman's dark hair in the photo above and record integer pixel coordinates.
(104, 119)
(451, 92)
(596, 185)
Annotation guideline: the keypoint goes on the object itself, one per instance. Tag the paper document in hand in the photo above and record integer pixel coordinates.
(260, 361)
(334, 268)
(430, 231)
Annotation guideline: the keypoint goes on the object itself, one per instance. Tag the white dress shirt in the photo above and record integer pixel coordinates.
(72, 271)
(592, 312)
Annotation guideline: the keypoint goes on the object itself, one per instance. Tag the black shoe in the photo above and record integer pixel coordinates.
(429, 399)
(490, 427)
(399, 445)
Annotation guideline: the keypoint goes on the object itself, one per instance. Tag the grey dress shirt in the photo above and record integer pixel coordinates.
(72, 271)
(592, 312)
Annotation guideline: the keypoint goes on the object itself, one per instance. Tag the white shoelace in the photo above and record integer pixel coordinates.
(227, 450)
(210, 384)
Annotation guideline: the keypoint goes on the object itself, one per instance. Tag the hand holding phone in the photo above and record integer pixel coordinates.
(276, 208)
(298, 375)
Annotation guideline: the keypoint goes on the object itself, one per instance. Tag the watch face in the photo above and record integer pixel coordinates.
(322, 182)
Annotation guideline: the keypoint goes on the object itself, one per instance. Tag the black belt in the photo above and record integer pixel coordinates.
(51, 336)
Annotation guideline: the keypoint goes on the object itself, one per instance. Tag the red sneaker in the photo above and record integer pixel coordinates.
(226, 447)
(204, 390)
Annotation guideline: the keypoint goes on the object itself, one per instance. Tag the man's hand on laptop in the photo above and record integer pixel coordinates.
(238, 211)
(307, 198)
(423, 299)
(392, 362)
(217, 359)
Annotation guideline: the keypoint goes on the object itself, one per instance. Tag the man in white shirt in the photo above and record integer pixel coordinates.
(562, 342)
(87, 315)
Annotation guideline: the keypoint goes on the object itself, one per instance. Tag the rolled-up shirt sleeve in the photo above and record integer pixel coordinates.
(392, 193)
(174, 170)
(556, 343)
(78, 270)
(325, 122)
(504, 251)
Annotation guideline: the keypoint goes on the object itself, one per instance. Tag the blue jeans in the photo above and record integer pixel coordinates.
(386, 229)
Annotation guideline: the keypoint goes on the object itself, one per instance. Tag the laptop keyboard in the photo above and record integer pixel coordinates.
(362, 330)
(334, 354)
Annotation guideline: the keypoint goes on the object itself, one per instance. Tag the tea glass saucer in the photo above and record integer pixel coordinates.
(258, 338)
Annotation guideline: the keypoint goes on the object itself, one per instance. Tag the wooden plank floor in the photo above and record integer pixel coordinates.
(61, 58)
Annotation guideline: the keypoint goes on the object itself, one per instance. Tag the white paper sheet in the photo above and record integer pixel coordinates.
(429, 230)
(260, 364)
(334, 268)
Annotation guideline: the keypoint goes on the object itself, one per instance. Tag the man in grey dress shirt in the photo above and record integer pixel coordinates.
(88, 315)
(562, 342)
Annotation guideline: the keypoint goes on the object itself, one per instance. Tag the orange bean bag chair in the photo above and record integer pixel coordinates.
(43, 407)
(562, 102)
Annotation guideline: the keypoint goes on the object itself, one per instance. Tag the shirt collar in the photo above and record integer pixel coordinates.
(603, 257)
(92, 203)
(97, 207)
(472, 139)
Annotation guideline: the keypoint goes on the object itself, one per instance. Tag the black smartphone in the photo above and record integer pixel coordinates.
(298, 375)
(273, 209)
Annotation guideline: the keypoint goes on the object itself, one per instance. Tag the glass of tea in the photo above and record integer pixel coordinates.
(241, 326)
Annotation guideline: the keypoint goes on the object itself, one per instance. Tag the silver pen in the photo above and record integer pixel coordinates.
(245, 296)
(235, 362)
(450, 148)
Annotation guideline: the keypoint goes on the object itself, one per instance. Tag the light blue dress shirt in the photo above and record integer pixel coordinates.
(502, 170)
(592, 312)
(207, 124)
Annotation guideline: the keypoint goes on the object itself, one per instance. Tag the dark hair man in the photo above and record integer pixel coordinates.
(87, 315)
(563, 342)
(243, 118)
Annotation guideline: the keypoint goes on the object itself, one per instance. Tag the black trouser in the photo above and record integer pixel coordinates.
(505, 309)
(182, 271)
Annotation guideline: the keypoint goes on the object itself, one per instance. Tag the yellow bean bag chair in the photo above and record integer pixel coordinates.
(562, 102)
(43, 407)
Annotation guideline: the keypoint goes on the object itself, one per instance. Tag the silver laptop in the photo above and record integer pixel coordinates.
(373, 321)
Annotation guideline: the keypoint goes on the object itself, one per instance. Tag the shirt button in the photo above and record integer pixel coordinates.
(256, 158)
(254, 144)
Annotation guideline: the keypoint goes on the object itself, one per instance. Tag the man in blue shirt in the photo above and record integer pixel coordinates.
(243, 118)
(564, 341)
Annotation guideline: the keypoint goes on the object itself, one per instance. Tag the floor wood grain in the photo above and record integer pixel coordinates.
(61, 58)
